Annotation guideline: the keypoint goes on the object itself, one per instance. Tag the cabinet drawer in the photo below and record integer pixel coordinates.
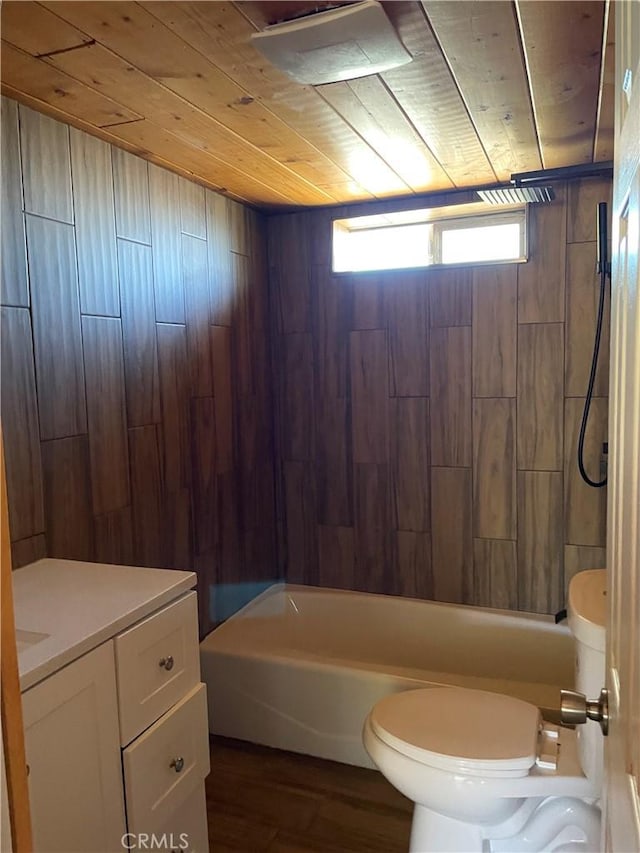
(157, 662)
(166, 763)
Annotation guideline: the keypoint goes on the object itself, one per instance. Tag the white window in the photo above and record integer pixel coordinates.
(435, 237)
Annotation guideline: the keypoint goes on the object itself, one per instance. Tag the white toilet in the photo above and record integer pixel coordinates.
(485, 772)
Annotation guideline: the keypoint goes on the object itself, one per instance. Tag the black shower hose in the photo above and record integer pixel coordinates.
(597, 484)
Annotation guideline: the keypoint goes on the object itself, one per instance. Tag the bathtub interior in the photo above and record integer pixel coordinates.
(392, 633)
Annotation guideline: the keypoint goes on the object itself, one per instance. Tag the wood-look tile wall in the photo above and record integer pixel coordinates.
(136, 386)
(427, 421)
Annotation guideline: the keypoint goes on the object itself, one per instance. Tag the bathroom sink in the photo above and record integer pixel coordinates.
(27, 639)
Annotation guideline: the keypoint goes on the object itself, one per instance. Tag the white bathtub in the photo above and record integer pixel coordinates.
(300, 667)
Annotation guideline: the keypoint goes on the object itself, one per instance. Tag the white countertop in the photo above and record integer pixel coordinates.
(65, 608)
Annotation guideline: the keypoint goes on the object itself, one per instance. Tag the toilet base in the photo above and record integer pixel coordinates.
(431, 831)
(539, 826)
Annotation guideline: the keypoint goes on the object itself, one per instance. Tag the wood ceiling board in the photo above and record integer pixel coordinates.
(24, 73)
(37, 30)
(107, 72)
(367, 106)
(481, 42)
(145, 136)
(137, 36)
(427, 92)
(220, 30)
(562, 43)
(603, 144)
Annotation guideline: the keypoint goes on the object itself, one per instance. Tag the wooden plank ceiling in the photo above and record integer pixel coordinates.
(494, 88)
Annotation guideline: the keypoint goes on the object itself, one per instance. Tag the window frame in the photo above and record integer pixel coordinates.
(436, 226)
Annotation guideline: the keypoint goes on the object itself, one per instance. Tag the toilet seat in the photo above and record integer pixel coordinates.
(469, 732)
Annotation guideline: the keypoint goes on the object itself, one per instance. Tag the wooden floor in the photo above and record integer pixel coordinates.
(261, 799)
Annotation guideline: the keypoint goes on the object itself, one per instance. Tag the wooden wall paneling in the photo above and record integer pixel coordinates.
(540, 541)
(106, 415)
(15, 289)
(451, 534)
(494, 469)
(409, 436)
(67, 498)
(203, 447)
(114, 537)
(367, 292)
(585, 508)
(56, 328)
(297, 403)
(330, 332)
(26, 551)
(495, 579)
(255, 470)
(164, 199)
(243, 343)
(173, 372)
(147, 495)
(582, 203)
(20, 425)
(177, 531)
(495, 330)
(46, 166)
(230, 562)
(290, 269)
(204, 565)
(139, 333)
(333, 461)
(335, 557)
(221, 281)
(408, 319)
(450, 384)
(540, 394)
(302, 528)
(223, 400)
(450, 296)
(193, 214)
(372, 527)
(577, 558)
(92, 178)
(131, 192)
(412, 570)
(319, 225)
(583, 290)
(238, 226)
(196, 296)
(541, 281)
(369, 396)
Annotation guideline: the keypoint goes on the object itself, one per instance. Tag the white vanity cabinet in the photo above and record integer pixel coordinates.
(73, 755)
(117, 741)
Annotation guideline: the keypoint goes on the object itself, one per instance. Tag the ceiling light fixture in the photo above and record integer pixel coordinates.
(338, 44)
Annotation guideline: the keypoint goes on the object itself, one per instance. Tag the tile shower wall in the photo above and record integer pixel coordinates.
(136, 401)
(427, 421)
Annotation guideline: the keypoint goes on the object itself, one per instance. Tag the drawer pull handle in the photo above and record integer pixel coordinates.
(166, 663)
(177, 764)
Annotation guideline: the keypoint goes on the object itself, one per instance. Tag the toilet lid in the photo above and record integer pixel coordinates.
(465, 731)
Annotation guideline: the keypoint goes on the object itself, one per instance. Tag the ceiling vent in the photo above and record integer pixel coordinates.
(339, 44)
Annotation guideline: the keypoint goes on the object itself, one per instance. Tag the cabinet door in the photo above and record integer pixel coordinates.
(73, 753)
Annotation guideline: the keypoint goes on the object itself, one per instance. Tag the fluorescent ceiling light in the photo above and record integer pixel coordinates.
(339, 44)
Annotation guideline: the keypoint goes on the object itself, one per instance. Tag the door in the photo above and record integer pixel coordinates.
(622, 747)
(73, 753)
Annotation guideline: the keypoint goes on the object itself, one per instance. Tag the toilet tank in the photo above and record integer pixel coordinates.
(587, 613)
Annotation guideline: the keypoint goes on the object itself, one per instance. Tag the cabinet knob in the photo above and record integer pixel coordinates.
(166, 663)
(177, 764)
